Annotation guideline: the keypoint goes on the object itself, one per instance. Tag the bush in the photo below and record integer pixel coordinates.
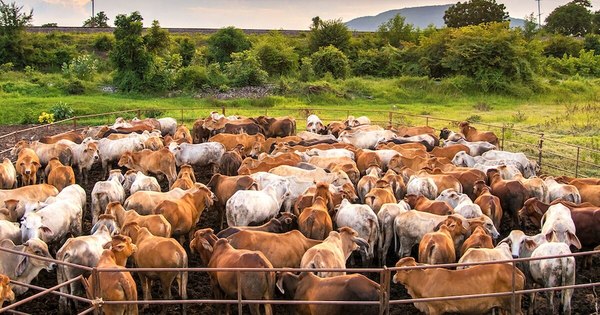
(153, 113)
(192, 78)
(104, 43)
(163, 73)
(187, 50)
(306, 70)
(245, 70)
(6, 67)
(75, 87)
(62, 111)
(216, 76)
(559, 45)
(587, 64)
(592, 42)
(332, 60)
(329, 33)
(83, 67)
(29, 117)
(276, 56)
(383, 62)
(225, 42)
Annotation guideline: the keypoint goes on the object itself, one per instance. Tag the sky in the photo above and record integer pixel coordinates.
(251, 14)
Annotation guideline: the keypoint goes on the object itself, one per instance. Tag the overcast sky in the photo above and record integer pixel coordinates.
(265, 14)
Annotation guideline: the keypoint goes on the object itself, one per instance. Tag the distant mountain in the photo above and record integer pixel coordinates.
(420, 17)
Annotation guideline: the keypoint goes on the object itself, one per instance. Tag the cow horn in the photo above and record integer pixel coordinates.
(361, 242)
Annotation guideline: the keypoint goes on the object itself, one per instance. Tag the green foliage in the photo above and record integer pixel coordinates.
(530, 28)
(131, 60)
(100, 20)
(330, 60)
(396, 32)
(215, 75)
(12, 33)
(163, 73)
(75, 87)
(275, 54)
(83, 67)
(157, 40)
(192, 78)
(225, 42)
(431, 52)
(329, 33)
(244, 70)
(573, 18)
(586, 64)
(306, 70)
(6, 67)
(62, 111)
(383, 62)
(104, 43)
(559, 45)
(187, 51)
(29, 117)
(592, 42)
(50, 25)
(474, 12)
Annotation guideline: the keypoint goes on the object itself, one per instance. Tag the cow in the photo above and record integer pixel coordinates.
(115, 286)
(84, 251)
(588, 192)
(9, 229)
(466, 177)
(315, 222)
(282, 250)
(59, 175)
(225, 186)
(168, 126)
(18, 200)
(136, 181)
(284, 223)
(421, 203)
(23, 268)
(155, 223)
(231, 161)
(478, 239)
(277, 127)
(438, 247)
(450, 151)
(251, 206)
(558, 226)
(333, 252)
(45, 151)
(450, 135)
(107, 191)
(439, 282)
(366, 183)
(476, 148)
(6, 292)
(252, 143)
(338, 178)
(110, 151)
(529, 168)
(74, 136)
(366, 139)
(488, 203)
(386, 216)
(183, 214)
(183, 133)
(8, 174)
(557, 190)
(422, 186)
(362, 220)
(380, 195)
(351, 121)
(471, 134)
(220, 254)
(27, 166)
(84, 156)
(143, 202)
(512, 194)
(482, 254)
(315, 125)
(366, 160)
(148, 161)
(154, 143)
(331, 153)
(158, 252)
(309, 287)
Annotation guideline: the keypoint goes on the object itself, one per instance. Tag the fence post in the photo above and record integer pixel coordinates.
(540, 149)
(74, 124)
(502, 143)
(266, 112)
(182, 121)
(239, 291)
(223, 110)
(513, 296)
(139, 114)
(390, 119)
(577, 163)
(96, 291)
(427, 120)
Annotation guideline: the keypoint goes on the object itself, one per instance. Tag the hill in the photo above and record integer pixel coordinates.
(420, 17)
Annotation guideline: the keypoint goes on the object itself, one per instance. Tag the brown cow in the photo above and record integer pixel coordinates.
(264, 166)
(478, 239)
(157, 224)
(154, 143)
(8, 175)
(284, 223)
(183, 214)
(346, 191)
(74, 136)
(421, 203)
(450, 151)
(315, 222)
(270, 143)
(309, 287)
(115, 286)
(158, 252)
(405, 131)
(367, 159)
(471, 134)
(380, 195)
(489, 204)
(199, 132)
(186, 178)
(282, 250)
(512, 194)
(231, 161)
(252, 143)
(183, 132)
(225, 186)
(439, 282)
(220, 254)
(567, 180)
(59, 175)
(466, 176)
(148, 161)
(589, 192)
(28, 164)
(438, 247)
(397, 183)
(443, 181)
(335, 127)
(6, 292)
(277, 127)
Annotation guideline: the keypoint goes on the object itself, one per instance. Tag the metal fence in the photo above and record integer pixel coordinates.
(554, 157)
(385, 281)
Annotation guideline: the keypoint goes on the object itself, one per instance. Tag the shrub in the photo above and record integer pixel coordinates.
(592, 42)
(245, 70)
(187, 50)
(276, 56)
(559, 45)
(332, 60)
(83, 67)
(29, 117)
(329, 33)
(192, 78)
(153, 113)
(215, 75)
(62, 111)
(6, 67)
(225, 42)
(104, 43)
(129, 56)
(75, 87)
(306, 70)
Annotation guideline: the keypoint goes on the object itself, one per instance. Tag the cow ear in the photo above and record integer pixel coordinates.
(46, 230)
(574, 240)
(119, 247)
(530, 245)
(107, 245)
(23, 261)
(549, 236)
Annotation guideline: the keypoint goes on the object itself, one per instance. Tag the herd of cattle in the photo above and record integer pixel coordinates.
(308, 199)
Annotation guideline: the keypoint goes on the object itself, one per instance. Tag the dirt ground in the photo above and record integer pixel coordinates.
(584, 301)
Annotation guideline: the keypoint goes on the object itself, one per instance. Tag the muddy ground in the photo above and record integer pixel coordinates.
(584, 301)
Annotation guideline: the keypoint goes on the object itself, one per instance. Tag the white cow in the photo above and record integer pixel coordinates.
(351, 121)
(557, 190)
(472, 255)
(168, 126)
(422, 186)
(467, 208)
(363, 220)
(111, 150)
(529, 168)
(202, 154)
(55, 221)
(450, 196)
(10, 230)
(366, 139)
(297, 186)
(135, 182)
(386, 216)
(385, 155)
(105, 192)
(248, 206)
(475, 148)
(337, 178)
(314, 124)
(558, 226)
(84, 155)
(331, 153)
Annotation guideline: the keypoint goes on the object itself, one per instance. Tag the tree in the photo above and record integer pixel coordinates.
(571, 19)
(330, 32)
(12, 32)
(474, 12)
(187, 50)
(100, 20)
(395, 31)
(131, 59)
(332, 60)
(157, 40)
(225, 42)
(530, 28)
(276, 55)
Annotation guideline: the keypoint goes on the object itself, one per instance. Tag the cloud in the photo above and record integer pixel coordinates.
(68, 3)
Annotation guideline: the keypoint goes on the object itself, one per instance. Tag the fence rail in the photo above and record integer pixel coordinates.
(552, 155)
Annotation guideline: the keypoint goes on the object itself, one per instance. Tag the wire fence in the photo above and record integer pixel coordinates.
(95, 301)
(554, 157)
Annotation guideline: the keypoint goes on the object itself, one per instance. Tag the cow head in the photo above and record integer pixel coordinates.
(520, 244)
(126, 160)
(202, 243)
(350, 240)
(28, 166)
(406, 262)
(6, 292)
(35, 246)
(122, 247)
(32, 226)
(486, 223)
(106, 222)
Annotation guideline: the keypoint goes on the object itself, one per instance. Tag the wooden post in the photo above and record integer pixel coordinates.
(577, 163)
(540, 149)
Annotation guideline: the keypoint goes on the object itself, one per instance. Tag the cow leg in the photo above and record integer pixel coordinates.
(146, 286)
(166, 281)
(182, 279)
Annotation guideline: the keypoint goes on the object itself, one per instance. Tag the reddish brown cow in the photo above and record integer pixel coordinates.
(421, 203)
(478, 239)
(59, 175)
(512, 194)
(450, 151)
(148, 161)
(471, 134)
(490, 205)
(315, 222)
(74, 136)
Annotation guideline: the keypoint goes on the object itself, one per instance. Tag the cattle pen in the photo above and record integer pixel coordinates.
(554, 157)
(385, 281)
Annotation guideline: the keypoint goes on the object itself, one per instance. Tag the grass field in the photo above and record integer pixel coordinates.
(565, 110)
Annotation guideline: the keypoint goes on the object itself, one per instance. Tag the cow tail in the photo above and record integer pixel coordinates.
(315, 263)
(183, 277)
(374, 228)
(429, 250)
(310, 222)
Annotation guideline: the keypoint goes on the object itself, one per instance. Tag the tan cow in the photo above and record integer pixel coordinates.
(437, 247)
(144, 202)
(28, 164)
(252, 143)
(8, 175)
(478, 239)
(148, 161)
(315, 222)
(6, 292)
(157, 224)
(59, 175)
(380, 195)
(183, 132)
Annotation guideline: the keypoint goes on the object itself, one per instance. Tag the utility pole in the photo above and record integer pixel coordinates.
(539, 13)
(94, 14)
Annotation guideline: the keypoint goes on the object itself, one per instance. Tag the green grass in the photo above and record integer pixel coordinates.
(564, 110)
